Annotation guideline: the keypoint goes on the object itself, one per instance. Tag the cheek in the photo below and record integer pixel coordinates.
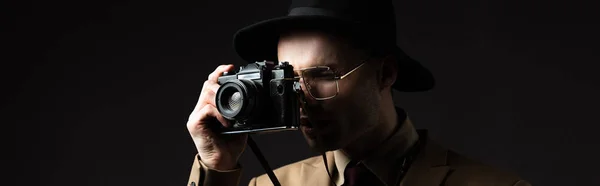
(358, 100)
(344, 102)
(355, 92)
(350, 104)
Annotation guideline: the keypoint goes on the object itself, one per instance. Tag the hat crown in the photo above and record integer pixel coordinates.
(375, 15)
(343, 5)
(362, 11)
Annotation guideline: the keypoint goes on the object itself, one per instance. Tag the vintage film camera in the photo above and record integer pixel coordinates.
(260, 97)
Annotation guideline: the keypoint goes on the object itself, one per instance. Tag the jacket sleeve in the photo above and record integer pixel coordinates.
(200, 175)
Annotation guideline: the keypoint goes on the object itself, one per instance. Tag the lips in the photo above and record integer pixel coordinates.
(313, 122)
(304, 121)
(307, 127)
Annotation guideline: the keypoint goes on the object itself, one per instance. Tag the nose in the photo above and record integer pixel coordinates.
(305, 97)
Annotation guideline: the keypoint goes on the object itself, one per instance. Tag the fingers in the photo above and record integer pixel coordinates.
(218, 72)
(200, 121)
(211, 111)
(209, 91)
(210, 87)
(205, 111)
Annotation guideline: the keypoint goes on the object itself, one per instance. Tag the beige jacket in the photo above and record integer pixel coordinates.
(434, 165)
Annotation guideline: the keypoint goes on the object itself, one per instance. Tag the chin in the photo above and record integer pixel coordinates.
(327, 143)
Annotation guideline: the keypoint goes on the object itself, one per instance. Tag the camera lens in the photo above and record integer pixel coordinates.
(236, 99)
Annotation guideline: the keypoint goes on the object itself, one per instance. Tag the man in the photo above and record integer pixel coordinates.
(345, 54)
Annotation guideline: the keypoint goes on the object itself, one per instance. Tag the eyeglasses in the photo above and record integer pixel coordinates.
(322, 82)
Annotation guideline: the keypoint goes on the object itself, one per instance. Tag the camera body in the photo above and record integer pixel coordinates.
(259, 97)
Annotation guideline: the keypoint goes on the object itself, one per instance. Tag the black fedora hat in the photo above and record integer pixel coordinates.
(373, 21)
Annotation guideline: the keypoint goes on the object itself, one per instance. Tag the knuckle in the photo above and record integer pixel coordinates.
(196, 118)
(193, 120)
(207, 96)
(211, 75)
(200, 113)
(195, 115)
(206, 85)
(214, 87)
(205, 108)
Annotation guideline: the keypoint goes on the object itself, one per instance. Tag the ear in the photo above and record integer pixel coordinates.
(388, 71)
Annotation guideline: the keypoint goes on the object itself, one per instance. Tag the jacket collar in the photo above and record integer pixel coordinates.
(428, 169)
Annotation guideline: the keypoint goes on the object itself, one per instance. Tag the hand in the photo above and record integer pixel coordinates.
(216, 151)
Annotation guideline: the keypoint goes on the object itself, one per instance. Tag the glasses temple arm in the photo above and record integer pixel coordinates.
(356, 68)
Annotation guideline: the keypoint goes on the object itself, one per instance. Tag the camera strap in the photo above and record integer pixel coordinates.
(327, 168)
(263, 161)
(260, 156)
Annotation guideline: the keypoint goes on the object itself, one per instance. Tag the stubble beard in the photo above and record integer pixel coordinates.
(322, 143)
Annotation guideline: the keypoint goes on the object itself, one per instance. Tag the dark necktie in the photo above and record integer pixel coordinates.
(358, 175)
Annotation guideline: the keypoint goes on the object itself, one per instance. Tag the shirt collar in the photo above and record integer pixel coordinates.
(381, 161)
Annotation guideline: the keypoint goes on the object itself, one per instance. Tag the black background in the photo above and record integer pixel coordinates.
(98, 92)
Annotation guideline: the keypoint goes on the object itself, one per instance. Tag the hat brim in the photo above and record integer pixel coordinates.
(258, 42)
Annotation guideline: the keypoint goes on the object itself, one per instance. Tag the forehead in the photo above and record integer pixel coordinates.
(304, 49)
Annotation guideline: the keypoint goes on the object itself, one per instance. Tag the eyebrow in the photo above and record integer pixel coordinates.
(326, 63)
(332, 67)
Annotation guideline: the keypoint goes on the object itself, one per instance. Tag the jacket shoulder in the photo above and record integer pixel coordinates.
(467, 171)
(287, 173)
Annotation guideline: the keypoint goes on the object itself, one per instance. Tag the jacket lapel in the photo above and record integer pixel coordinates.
(430, 167)
(315, 174)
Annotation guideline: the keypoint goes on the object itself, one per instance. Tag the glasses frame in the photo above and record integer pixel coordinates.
(336, 78)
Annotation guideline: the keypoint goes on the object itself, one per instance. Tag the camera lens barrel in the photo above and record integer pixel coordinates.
(236, 99)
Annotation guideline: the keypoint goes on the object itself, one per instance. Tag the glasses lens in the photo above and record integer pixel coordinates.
(320, 82)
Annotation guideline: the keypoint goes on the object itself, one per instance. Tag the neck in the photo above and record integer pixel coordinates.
(371, 139)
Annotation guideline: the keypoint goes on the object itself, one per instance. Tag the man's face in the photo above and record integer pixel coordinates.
(333, 123)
